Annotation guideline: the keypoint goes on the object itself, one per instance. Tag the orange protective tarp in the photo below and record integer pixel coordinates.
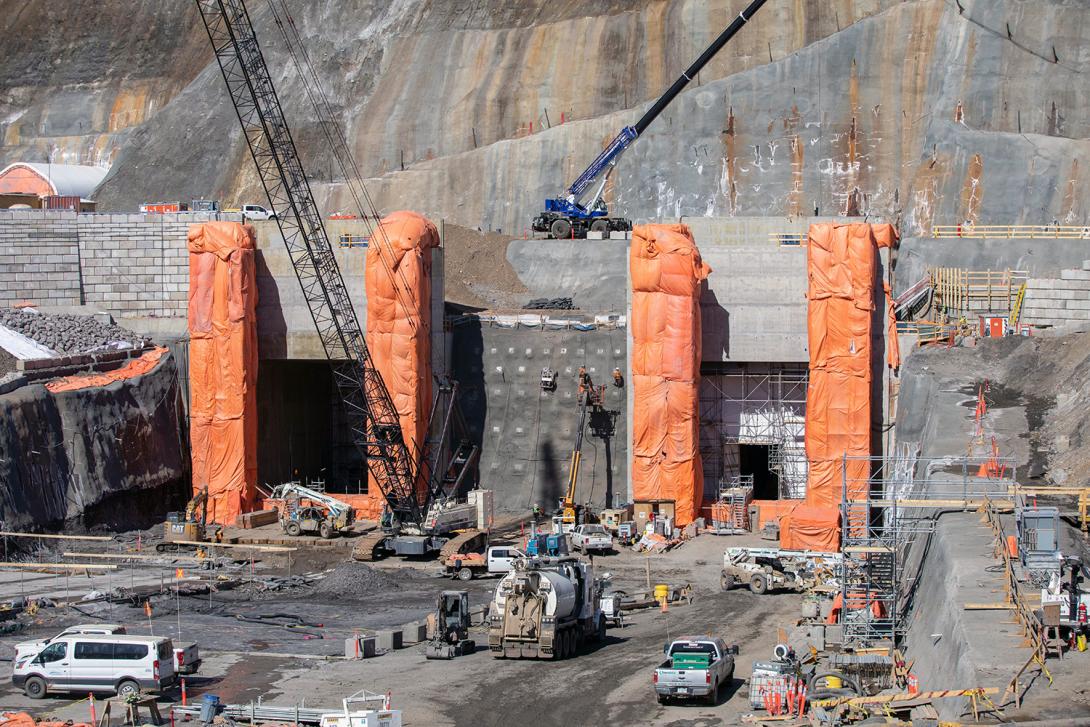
(223, 366)
(842, 268)
(811, 528)
(136, 367)
(398, 280)
(666, 271)
(22, 719)
(772, 511)
(844, 288)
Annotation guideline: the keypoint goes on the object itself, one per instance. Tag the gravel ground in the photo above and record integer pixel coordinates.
(69, 334)
(353, 580)
(477, 273)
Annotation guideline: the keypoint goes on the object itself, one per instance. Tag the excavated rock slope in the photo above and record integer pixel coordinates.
(924, 111)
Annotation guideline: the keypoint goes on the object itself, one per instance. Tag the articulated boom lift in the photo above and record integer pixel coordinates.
(591, 398)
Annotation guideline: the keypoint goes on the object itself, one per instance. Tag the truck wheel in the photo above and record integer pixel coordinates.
(465, 574)
(663, 699)
(128, 688)
(35, 688)
(560, 229)
(727, 581)
(599, 226)
(713, 696)
(293, 529)
(758, 584)
(326, 530)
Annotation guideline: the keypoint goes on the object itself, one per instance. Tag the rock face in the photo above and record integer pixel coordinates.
(64, 455)
(910, 111)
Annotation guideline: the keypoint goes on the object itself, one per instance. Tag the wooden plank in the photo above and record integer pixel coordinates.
(53, 536)
(131, 556)
(990, 606)
(264, 548)
(61, 566)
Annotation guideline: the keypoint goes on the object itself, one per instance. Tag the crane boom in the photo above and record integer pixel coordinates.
(369, 409)
(570, 214)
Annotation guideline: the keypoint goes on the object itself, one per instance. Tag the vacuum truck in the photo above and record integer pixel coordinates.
(546, 608)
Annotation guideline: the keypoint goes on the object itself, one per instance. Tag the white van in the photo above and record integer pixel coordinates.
(257, 212)
(31, 648)
(115, 663)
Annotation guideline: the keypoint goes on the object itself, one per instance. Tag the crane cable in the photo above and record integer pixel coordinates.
(338, 146)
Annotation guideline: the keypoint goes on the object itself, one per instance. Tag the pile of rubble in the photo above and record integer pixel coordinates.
(70, 334)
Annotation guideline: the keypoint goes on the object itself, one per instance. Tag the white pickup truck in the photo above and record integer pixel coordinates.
(495, 561)
(696, 666)
(591, 538)
(187, 659)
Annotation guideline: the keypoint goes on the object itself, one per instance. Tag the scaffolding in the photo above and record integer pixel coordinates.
(902, 496)
(767, 407)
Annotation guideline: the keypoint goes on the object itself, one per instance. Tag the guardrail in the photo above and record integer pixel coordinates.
(347, 240)
(1054, 232)
(789, 239)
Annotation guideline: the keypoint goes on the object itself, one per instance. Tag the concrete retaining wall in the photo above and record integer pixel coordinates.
(526, 435)
(1061, 301)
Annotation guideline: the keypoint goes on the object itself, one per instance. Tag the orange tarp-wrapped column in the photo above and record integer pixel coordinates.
(842, 268)
(223, 366)
(398, 279)
(666, 271)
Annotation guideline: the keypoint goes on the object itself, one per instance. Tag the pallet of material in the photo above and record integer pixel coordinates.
(257, 519)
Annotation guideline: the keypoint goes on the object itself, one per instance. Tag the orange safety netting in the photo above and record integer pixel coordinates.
(398, 280)
(223, 366)
(666, 271)
(844, 285)
(136, 367)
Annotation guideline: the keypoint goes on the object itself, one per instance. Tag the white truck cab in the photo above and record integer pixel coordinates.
(257, 212)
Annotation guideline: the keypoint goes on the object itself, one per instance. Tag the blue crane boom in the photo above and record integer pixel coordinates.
(575, 213)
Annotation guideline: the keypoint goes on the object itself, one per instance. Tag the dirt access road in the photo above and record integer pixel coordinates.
(609, 684)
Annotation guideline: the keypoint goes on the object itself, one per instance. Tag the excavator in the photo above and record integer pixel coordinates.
(191, 526)
(590, 400)
(582, 207)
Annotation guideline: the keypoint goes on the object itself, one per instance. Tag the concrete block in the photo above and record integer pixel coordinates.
(359, 647)
(389, 639)
(1086, 264)
(615, 235)
(1078, 305)
(593, 235)
(1075, 275)
(414, 633)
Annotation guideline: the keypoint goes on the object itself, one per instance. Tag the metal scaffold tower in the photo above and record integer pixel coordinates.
(882, 521)
(764, 407)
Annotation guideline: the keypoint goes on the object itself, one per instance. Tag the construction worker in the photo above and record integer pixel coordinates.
(538, 513)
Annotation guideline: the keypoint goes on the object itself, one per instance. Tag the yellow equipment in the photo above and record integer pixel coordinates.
(188, 526)
(590, 397)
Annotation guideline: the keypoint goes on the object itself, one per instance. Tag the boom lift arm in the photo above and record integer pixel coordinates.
(590, 397)
(571, 215)
(372, 417)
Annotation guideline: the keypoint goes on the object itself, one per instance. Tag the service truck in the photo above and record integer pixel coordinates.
(695, 666)
(495, 561)
(546, 608)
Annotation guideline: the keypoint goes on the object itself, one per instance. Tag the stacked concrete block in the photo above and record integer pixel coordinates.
(414, 633)
(39, 257)
(359, 646)
(1059, 301)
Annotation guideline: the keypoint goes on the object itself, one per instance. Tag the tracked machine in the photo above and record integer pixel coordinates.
(420, 483)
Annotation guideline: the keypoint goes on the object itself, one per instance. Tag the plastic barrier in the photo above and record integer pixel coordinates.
(398, 280)
(223, 366)
(666, 271)
(136, 367)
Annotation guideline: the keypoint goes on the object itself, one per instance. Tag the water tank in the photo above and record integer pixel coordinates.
(561, 595)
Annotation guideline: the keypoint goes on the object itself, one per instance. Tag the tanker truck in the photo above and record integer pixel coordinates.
(546, 608)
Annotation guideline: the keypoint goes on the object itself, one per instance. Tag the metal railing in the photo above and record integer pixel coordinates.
(789, 239)
(1033, 232)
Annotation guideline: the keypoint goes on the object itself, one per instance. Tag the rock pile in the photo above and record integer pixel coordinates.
(69, 334)
(353, 580)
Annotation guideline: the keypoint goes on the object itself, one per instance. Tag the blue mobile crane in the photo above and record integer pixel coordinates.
(576, 213)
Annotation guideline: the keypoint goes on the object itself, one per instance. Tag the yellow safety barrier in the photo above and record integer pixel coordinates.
(789, 239)
(1056, 232)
